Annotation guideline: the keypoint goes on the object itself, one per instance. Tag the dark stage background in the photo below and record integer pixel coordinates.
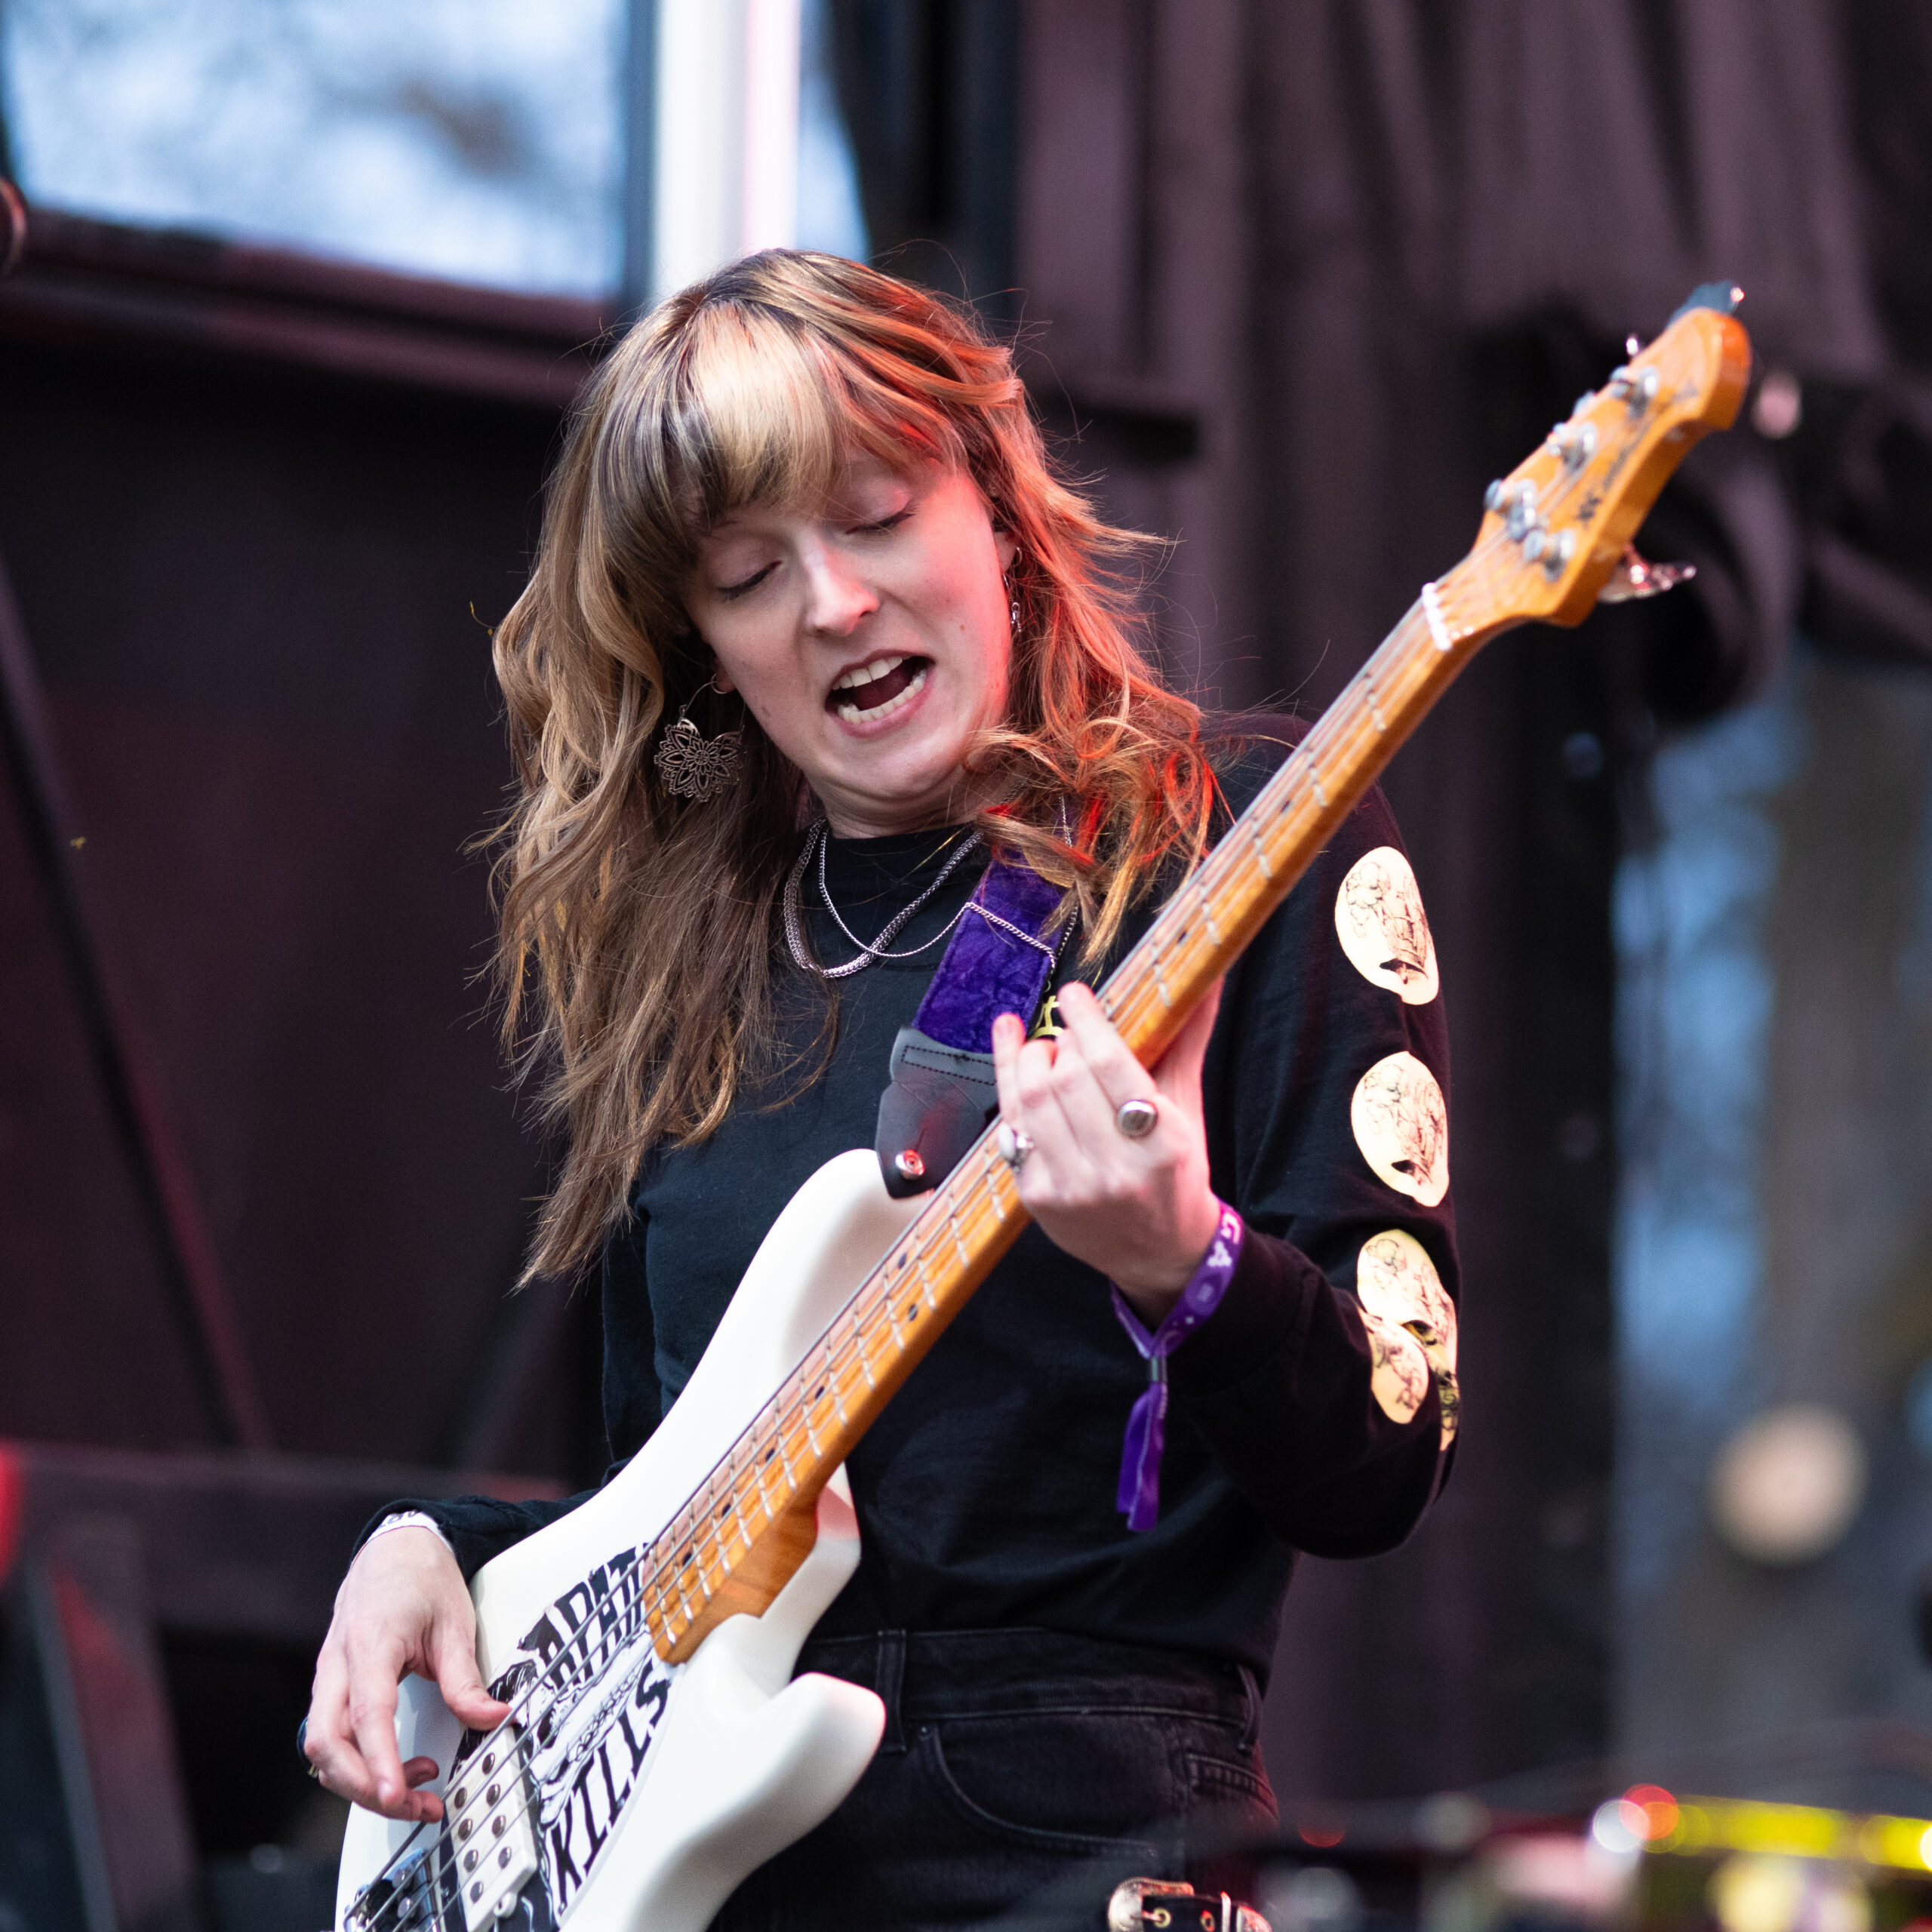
(1294, 282)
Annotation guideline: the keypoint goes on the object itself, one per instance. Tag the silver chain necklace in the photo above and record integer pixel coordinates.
(818, 839)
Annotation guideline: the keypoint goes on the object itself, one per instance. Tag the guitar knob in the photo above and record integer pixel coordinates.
(1492, 498)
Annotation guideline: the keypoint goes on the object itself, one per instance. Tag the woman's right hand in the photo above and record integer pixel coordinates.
(403, 1608)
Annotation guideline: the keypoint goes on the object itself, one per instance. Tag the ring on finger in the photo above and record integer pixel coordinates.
(1136, 1117)
(1012, 1144)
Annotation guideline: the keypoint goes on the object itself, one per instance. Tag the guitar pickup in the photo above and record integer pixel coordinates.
(490, 1827)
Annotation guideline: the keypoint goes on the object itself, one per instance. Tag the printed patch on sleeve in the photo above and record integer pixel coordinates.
(1379, 920)
(1400, 1290)
(1401, 1126)
(1398, 1373)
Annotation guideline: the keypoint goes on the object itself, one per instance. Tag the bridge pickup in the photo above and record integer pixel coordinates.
(490, 1828)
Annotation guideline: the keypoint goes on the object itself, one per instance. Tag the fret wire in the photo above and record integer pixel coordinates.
(925, 1278)
(697, 1554)
(952, 1225)
(1160, 979)
(859, 1343)
(831, 1380)
(760, 1470)
(1260, 848)
(1207, 904)
(989, 1153)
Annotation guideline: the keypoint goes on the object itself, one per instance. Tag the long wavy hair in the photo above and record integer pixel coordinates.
(638, 928)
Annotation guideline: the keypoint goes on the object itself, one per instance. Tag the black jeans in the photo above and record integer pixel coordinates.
(1010, 1758)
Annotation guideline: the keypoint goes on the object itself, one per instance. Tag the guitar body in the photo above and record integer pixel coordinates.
(655, 1789)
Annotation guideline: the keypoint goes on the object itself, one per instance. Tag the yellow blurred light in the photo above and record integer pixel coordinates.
(1786, 1831)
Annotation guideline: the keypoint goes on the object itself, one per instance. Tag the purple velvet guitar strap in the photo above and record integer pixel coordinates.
(943, 1093)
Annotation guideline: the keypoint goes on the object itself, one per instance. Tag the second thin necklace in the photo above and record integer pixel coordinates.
(817, 842)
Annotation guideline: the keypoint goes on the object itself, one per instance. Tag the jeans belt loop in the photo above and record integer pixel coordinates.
(1251, 1734)
(889, 1681)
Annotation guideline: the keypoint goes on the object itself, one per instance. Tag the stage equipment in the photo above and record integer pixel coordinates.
(657, 1749)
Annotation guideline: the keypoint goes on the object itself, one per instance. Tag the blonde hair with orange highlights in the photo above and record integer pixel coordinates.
(637, 929)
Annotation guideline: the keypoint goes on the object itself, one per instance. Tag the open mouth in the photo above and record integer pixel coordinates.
(874, 691)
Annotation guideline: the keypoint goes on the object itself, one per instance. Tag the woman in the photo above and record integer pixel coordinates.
(804, 503)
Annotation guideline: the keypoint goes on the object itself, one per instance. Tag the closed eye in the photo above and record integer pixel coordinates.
(891, 522)
(728, 591)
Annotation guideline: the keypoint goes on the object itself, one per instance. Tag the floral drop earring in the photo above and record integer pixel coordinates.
(691, 765)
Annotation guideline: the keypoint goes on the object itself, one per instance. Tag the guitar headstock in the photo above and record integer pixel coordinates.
(1556, 526)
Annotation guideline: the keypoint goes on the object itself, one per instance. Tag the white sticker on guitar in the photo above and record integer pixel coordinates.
(1401, 1125)
(1379, 920)
(1403, 1296)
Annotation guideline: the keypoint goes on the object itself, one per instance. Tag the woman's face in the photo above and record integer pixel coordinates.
(868, 634)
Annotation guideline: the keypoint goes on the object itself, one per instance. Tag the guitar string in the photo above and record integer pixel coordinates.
(1314, 752)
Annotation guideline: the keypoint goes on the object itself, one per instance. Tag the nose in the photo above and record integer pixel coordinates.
(837, 598)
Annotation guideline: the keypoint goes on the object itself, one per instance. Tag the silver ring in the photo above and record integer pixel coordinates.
(1136, 1117)
(1012, 1144)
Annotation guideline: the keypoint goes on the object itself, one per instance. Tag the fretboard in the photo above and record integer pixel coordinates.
(776, 1468)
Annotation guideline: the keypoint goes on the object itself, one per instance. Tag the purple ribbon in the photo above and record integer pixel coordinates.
(1139, 1496)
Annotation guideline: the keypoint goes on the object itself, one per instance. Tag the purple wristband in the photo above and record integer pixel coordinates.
(1139, 1499)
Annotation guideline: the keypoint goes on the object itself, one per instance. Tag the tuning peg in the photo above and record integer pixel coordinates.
(1552, 548)
(1632, 345)
(1635, 577)
(1522, 505)
(1576, 443)
(1638, 387)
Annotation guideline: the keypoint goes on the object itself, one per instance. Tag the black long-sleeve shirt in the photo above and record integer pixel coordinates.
(986, 1492)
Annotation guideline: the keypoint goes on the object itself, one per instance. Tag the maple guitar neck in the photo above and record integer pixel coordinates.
(1555, 532)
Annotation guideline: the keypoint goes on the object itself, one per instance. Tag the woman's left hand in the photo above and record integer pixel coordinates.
(1139, 1210)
